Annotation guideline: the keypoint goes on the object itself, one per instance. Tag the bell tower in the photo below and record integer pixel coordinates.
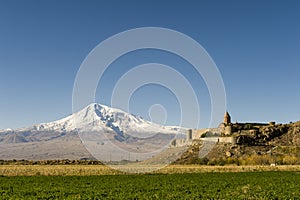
(227, 118)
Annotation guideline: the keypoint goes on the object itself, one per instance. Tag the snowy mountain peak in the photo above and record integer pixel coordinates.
(96, 116)
(99, 117)
(100, 129)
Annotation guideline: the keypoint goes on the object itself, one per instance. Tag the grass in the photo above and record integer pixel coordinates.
(92, 170)
(212, 185)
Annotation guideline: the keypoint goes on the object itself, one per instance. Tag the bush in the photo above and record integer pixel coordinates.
(203, 161)
(248, 127)
(290, 160)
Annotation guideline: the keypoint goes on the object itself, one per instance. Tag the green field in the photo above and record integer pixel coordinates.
(229, 185)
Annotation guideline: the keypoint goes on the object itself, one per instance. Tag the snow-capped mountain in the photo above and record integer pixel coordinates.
(96, 117)
(87, 124)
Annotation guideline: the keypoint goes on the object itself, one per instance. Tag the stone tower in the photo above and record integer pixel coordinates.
(189, 134)
(227, 118)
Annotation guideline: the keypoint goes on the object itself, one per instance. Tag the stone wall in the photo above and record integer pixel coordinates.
(184, 142)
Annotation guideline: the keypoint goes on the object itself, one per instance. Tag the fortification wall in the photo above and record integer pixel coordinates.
(219, 139)
(198, 133)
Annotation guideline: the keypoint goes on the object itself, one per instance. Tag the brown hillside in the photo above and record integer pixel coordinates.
(255, 145)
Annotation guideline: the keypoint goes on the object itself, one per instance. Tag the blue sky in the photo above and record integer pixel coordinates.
(255, 45)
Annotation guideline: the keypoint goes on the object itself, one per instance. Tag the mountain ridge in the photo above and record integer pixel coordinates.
(94, 117)
(69, 137)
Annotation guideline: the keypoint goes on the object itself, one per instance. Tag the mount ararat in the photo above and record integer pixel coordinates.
(67, 138)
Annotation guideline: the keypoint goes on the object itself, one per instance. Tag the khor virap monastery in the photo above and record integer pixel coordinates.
(227, 132)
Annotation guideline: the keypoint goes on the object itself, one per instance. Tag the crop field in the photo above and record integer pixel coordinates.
(216, 185)
(95, 170)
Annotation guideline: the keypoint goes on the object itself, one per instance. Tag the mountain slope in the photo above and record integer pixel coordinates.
(95, 123)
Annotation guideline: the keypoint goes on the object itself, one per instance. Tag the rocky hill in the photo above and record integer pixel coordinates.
(255, 144)
(280, 134)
